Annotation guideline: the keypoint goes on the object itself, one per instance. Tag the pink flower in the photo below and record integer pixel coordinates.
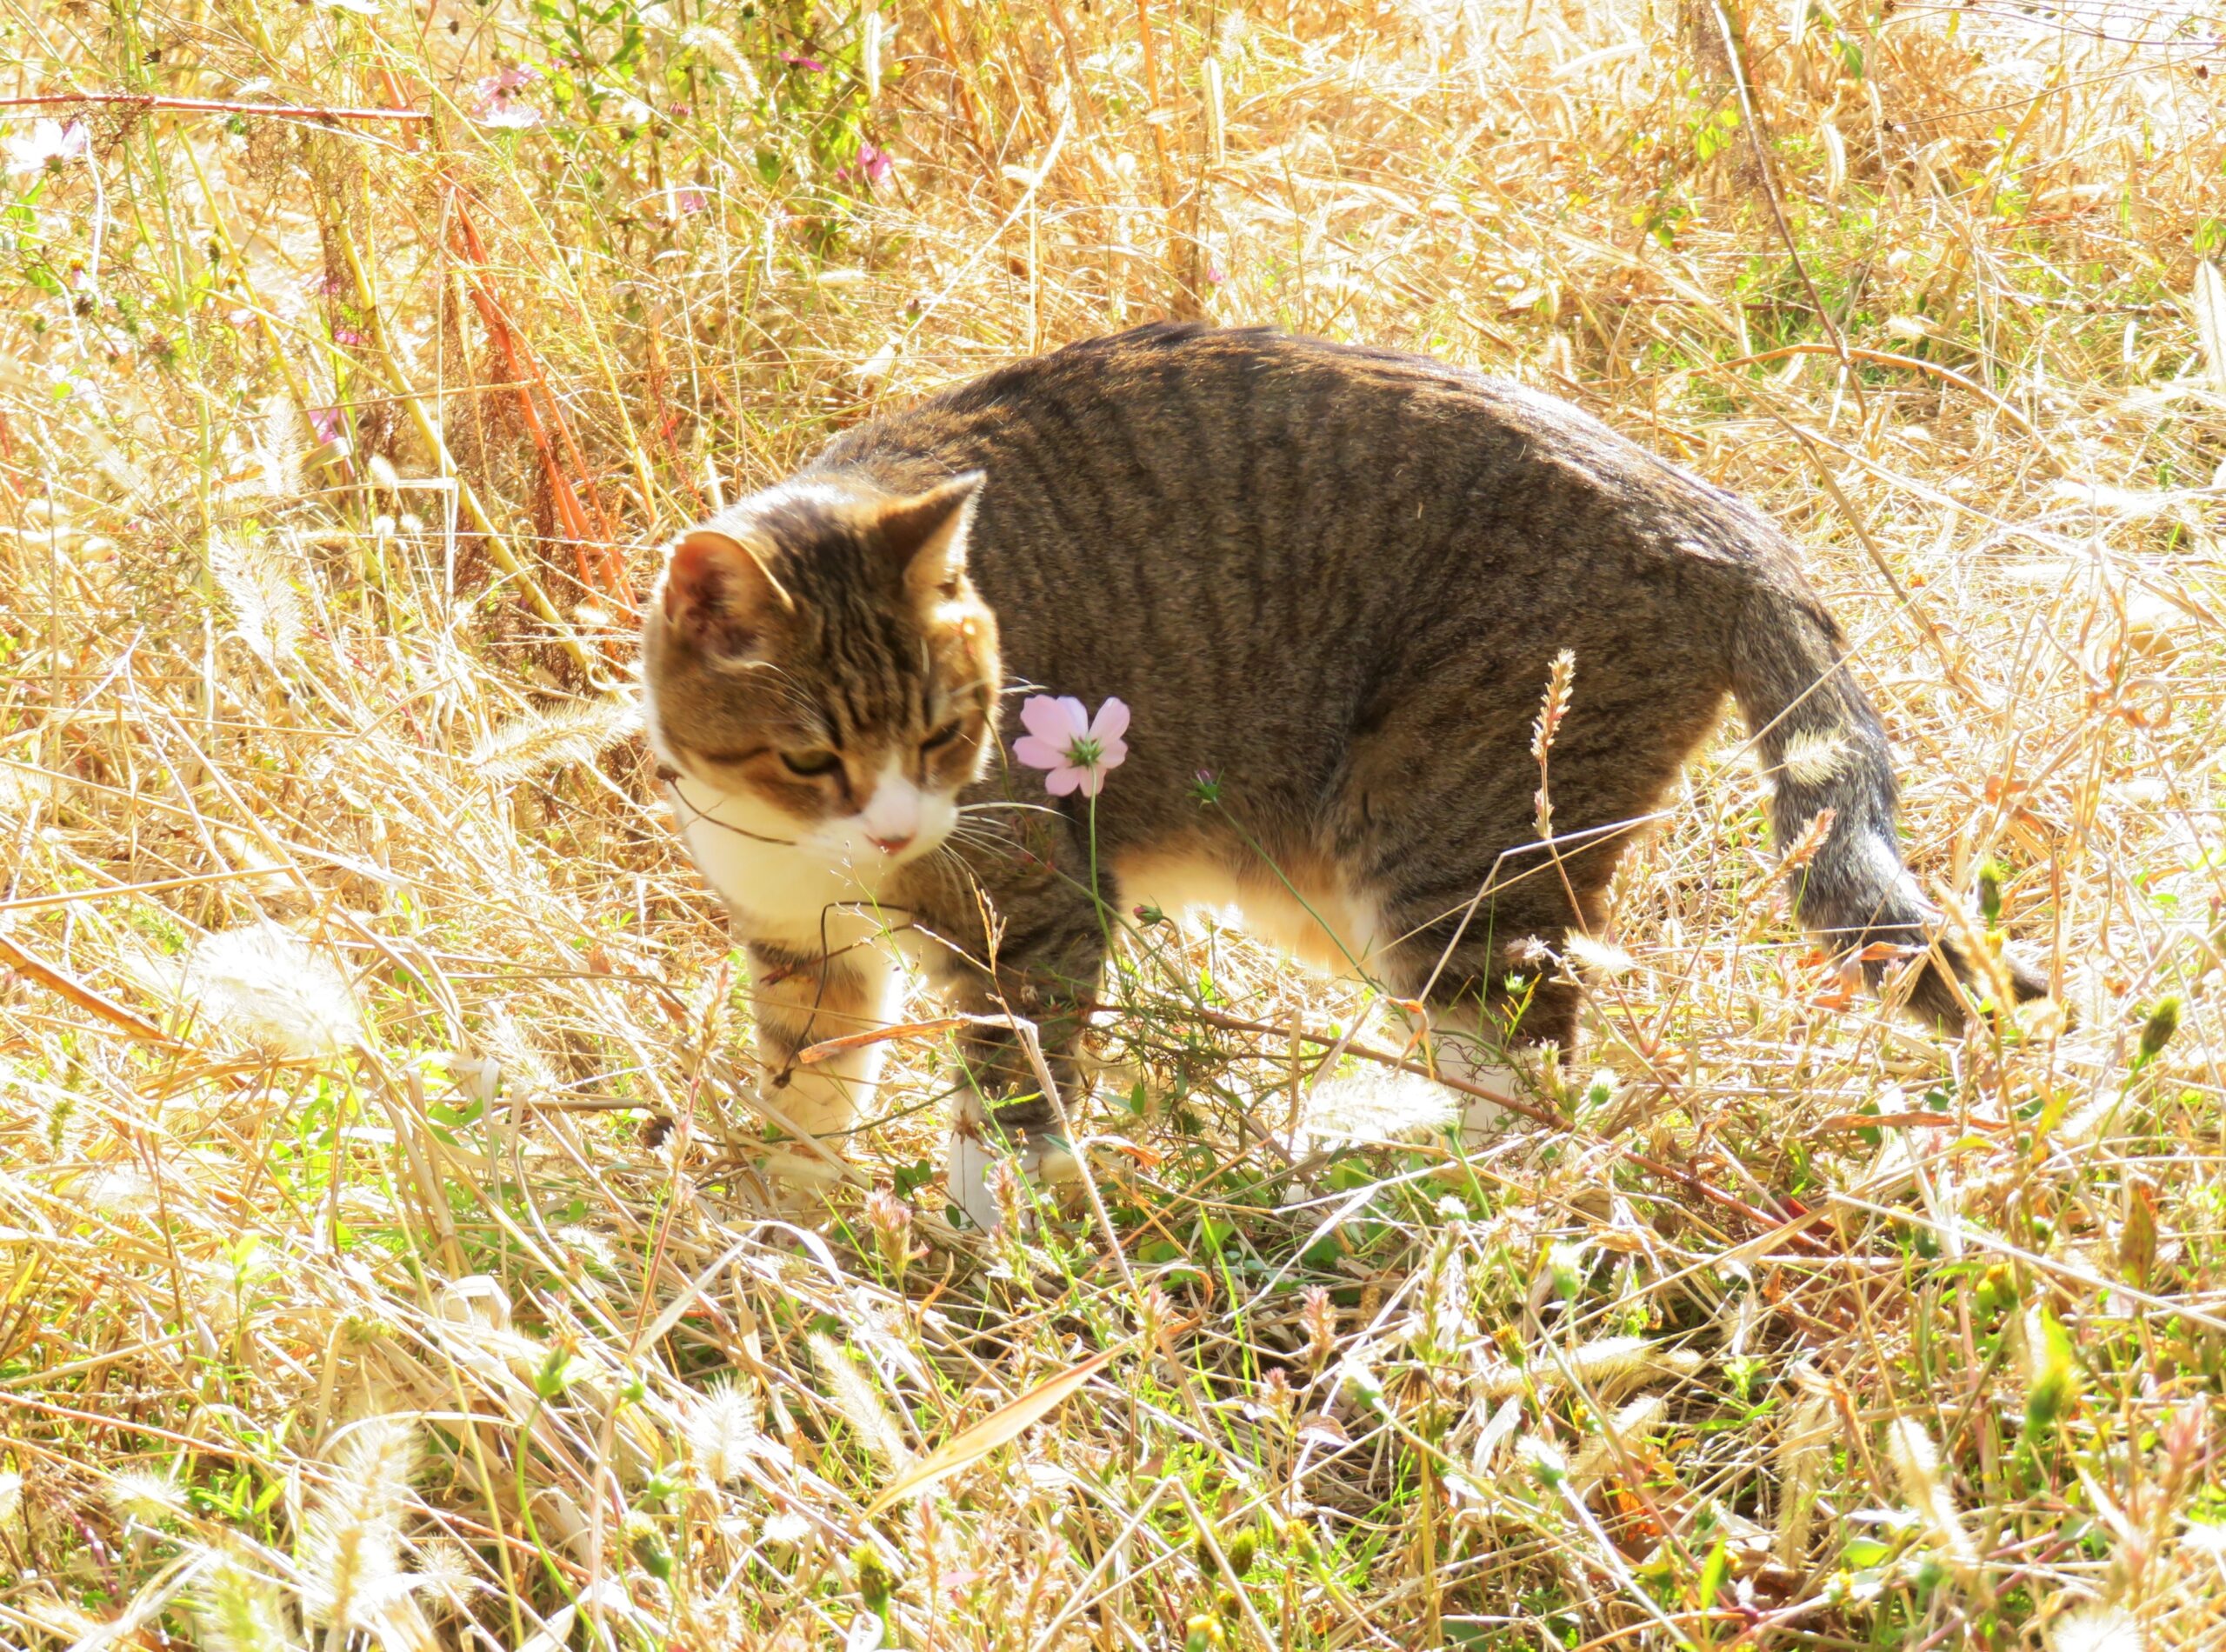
(494, 98)
(1078, 749)
(690, 199)
(49, 144)
(877, 162)
(325, 421)
(809, 65)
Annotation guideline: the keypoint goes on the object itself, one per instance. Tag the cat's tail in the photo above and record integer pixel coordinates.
(1825, 750)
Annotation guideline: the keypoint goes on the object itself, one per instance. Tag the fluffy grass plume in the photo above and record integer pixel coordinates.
(543, 740)
(239, 1609)
(1375, 1105)
(264, 983)
(350, 1552)
(1925, 1487)
(255, 579)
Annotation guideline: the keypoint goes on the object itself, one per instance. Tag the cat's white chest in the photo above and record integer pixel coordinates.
(778, 893)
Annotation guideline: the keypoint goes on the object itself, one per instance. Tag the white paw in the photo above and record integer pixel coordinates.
(1048, 1161)
(814, 1103)
(1045, 1162)
(966, 1176)
(1482, 1118)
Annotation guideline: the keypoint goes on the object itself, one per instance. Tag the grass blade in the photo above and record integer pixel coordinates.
(1008, 1422)
(2210, 294)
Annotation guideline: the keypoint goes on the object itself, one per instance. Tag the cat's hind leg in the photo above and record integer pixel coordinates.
(1495, 995)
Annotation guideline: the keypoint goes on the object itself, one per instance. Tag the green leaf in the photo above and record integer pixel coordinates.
(2052, 1385)
(1714, 1570)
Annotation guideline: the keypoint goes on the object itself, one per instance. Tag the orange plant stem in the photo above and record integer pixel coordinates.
(607, 574)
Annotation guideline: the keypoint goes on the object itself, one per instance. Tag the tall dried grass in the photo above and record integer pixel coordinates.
(390, 1253)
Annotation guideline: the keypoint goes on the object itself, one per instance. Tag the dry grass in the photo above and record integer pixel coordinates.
(389, 1254)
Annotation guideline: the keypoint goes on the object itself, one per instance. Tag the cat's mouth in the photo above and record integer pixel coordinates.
(851, 841)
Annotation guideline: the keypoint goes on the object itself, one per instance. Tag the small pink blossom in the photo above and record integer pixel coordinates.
(690, 199)
(325, 421)
(349, 336)
(494, 98)
(809, 65)
(1078, 749)
(877, 162)
(49, 144)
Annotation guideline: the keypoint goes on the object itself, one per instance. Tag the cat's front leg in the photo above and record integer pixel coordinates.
(999, 1103)
(798, 1000)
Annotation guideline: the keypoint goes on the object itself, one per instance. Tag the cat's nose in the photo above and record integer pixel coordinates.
(891, 845)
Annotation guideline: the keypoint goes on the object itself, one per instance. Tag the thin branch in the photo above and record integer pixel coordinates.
(216, 106)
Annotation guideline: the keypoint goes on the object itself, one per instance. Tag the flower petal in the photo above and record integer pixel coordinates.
(1060, 781)
(1039, 753)
(1077, 715)
(1110, 722)
(1113, 754)
(1047, 719)
(1093, 781)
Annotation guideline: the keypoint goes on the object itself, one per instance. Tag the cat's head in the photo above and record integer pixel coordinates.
(816, 657)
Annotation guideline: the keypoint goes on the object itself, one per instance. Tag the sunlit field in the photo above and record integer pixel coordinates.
(391, 1253)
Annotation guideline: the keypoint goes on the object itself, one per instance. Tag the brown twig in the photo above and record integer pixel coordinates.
(1734, 58)
(216, 106)
(85, 997)
(607, 577)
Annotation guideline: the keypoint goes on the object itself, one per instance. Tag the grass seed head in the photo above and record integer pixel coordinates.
(267, 985)
(1917, 1465)
(2097, 1628)
(723, 1429)
(1376, 1104)
(350, 1555)
(239, 1608)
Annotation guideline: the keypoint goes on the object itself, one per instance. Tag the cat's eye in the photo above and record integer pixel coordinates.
(810, 763)
(942, 737)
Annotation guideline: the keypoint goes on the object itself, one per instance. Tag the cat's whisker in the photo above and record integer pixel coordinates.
(981, 845)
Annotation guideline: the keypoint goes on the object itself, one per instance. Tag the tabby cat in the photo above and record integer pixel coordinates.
(1328, 584)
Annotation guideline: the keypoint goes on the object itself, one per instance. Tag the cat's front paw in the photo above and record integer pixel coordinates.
(802, 1100)
(970, 1168)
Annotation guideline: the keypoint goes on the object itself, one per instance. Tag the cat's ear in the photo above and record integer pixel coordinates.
(926, 535)
(718, 593)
